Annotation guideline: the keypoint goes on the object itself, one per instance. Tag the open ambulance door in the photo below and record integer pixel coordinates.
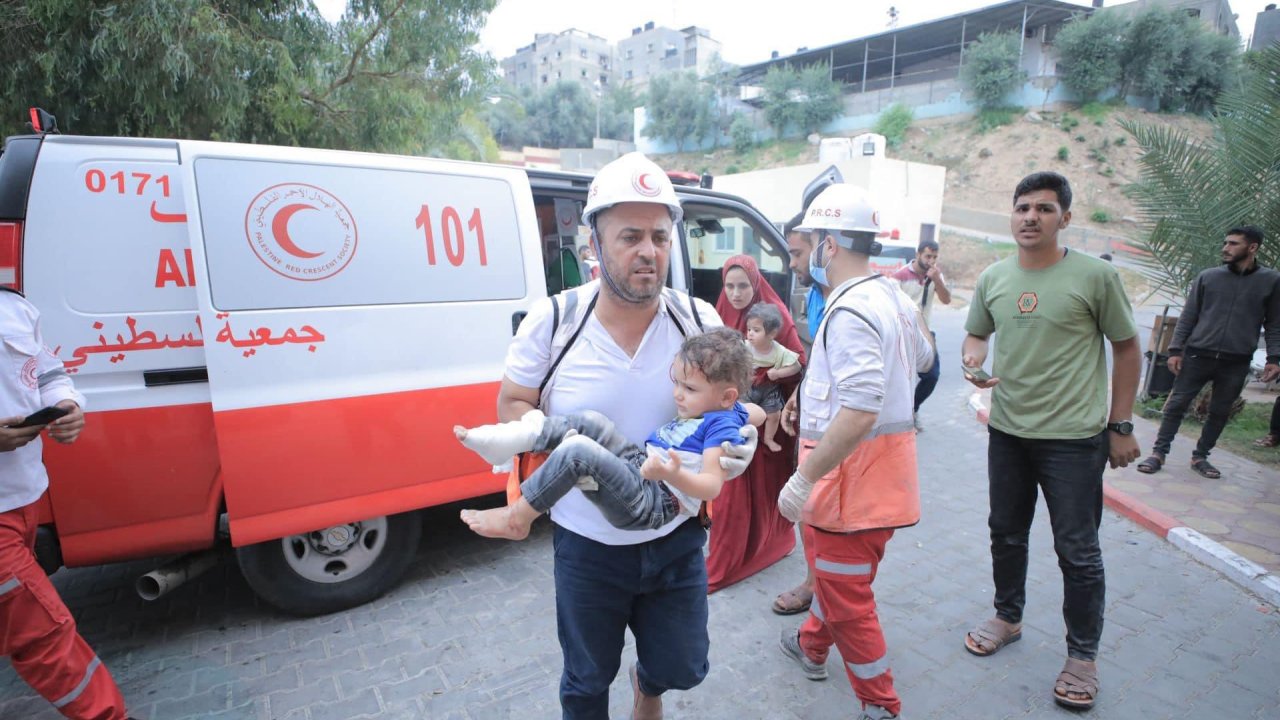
(354, 308)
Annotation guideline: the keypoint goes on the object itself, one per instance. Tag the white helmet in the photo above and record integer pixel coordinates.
(631, 178)
(841, 208)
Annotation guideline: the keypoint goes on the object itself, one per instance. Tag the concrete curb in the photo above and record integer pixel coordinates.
(1240, 570)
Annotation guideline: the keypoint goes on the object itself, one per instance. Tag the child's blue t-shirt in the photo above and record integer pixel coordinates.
(694, 435)
(687, 438)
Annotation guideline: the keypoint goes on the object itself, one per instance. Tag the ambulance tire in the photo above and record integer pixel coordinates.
(272, 577)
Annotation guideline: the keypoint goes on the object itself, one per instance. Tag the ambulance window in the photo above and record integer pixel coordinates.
(715, 234)
(333, 236)
(563, 238)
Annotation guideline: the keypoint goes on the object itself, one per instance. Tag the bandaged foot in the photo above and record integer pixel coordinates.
(499, 443)
(793, 497)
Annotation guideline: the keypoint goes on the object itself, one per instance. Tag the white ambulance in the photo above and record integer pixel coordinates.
(275, 342)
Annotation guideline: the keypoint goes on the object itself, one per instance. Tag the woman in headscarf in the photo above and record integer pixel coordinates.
(747, 532)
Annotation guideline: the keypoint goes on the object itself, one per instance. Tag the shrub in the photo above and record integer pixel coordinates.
(893, 124)
(1063, 153)
(1081, 138)
(1100, 216)
(1068, 123)
(991, 69)
(1095, 111)
(1090, 48)
(742, 134)
(1120, 141)
(1097, 155)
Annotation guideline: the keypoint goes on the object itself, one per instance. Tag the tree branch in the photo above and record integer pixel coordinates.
(358, 54)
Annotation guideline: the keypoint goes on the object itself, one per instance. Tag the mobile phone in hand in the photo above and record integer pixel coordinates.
(43, 416)
(976, 373)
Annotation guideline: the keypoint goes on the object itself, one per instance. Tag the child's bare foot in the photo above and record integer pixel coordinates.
(773, 445)
(496, 523)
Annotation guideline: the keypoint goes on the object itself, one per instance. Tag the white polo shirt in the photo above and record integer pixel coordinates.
(634, 392)
(31, 377)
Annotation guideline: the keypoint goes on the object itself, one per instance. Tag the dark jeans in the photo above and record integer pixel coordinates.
(1228, 378)
(626, 499)
(1275, 419)
(928, 380)
(1070, 474)
(657, 588)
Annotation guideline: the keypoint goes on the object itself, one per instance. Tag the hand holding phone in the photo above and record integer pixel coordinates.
(43, 416)
(976, 373)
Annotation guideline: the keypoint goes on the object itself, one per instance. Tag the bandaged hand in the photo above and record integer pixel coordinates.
(736, 458)
(793, 496)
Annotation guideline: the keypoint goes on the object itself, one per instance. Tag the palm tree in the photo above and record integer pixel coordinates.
(1191, 192)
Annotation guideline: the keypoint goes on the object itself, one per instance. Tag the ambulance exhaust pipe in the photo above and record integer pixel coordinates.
(162, 580)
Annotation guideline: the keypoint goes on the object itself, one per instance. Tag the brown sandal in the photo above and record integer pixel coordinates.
(1080, 678)
(792, 602)
(1269, 440)
(990, 636)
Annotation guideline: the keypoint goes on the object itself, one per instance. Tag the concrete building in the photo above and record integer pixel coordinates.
(568, 55)
(652, 50)
(1266, 30)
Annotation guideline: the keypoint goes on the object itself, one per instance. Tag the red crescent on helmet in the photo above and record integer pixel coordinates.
(641, 184)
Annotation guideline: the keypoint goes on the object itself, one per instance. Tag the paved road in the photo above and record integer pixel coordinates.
(471, 632)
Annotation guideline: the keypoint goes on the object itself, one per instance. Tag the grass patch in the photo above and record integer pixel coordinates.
(992, 118)
(1095, 111)
(1064, 153)
(1253, 422)
(1100, 215)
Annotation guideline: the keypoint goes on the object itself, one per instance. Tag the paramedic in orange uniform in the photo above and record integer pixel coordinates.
(857, 478)
(37, 633)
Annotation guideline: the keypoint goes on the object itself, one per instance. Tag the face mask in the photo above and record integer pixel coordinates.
(817, 272)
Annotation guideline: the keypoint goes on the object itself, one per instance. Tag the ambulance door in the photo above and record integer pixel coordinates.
(355, 307)
(106, 261)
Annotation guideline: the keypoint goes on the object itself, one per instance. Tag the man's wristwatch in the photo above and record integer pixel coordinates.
(1124, 427)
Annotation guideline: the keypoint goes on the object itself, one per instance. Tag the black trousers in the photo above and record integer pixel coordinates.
(1228, 378)
(1070, 474)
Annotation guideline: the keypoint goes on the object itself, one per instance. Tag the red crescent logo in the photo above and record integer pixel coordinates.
(280, 230)
(641, 184)
(330, 230)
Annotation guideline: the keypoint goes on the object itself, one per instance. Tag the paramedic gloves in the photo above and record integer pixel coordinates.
(793, 497)
(736, 458)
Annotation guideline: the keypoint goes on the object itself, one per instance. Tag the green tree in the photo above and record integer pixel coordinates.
(779, 104)
(991, 69)
(818, 98)
(1090, 47)
(562, 115)
(505, 114)
(680, 108)
(618, 112)
(743, 134)
(391, 75)
(1191, 192)
(1152, 47)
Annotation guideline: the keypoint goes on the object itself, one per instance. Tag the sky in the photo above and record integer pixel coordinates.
(747, 36)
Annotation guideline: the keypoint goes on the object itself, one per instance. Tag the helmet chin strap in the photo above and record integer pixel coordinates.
(604, 269)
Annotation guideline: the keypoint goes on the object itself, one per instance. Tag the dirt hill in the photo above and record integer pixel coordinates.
(1088, 145)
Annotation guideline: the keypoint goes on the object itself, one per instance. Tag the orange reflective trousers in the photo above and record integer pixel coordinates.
(39, 636)
(843, 612)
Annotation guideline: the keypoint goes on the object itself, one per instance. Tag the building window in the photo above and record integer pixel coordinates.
(584, 73)
(604, 80)
(582, 54)
(629, 54)
(558, 75)
(649, 47)
(544, 59)
(523, 65)
(544, 79)
(628, 74)
(559, 54)
(604, 61)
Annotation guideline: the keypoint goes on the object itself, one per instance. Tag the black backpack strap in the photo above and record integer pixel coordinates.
(693, 309)
(565, 350)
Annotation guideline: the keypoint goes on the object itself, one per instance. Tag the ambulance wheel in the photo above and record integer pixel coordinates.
(334, 568)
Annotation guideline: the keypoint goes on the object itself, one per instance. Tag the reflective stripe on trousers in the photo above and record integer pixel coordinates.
(39, 636)
(843, 611)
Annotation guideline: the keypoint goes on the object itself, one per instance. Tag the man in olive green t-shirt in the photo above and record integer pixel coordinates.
(1050, 427)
